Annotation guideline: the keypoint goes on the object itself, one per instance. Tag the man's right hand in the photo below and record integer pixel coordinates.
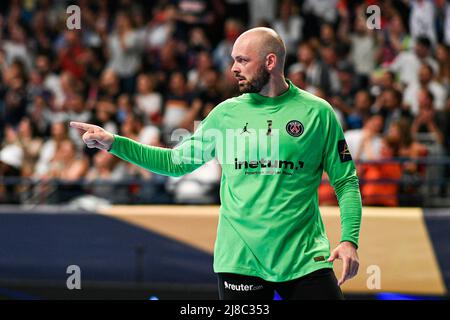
(94, 136)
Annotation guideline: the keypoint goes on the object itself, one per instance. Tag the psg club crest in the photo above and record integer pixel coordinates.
(295, 128)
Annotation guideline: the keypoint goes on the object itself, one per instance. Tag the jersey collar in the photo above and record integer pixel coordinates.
(274, 100)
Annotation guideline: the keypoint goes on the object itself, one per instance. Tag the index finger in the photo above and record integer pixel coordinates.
(81, 125)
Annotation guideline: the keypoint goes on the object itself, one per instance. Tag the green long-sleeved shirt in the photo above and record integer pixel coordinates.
(272, 152)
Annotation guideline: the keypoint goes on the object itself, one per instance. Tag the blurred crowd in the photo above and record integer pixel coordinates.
(144, 69)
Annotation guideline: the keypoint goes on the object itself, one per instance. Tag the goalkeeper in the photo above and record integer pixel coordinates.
(273, 143)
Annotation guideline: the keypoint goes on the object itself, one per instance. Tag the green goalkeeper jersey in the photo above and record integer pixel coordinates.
(273, 152)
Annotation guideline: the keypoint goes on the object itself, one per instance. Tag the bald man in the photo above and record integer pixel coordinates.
(273, 143)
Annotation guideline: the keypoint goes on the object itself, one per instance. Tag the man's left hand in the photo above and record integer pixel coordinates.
(346, 251)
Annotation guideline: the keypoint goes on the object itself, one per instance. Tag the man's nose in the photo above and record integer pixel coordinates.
(235, 69)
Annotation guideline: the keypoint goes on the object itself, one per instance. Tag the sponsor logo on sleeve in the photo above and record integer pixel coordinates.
(344, 152)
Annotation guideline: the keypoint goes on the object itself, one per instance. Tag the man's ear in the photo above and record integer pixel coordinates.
(271, 61)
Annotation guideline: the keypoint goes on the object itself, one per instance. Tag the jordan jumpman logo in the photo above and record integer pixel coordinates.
(245, 128)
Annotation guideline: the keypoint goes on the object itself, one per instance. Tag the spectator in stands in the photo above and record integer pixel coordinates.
(445, 11)
(427, 81)
(105, 111)
(380, 181)
(289, 25)
(35, 86)
(160, 27)
(317, 75)
(170, 60)
(327, 36)
(70, 86)
(102, 176)
(222, 53)
(365, 143)
(11, 159)
(261, 11)
(73, 55)
(138, 16)
(383, 80)
(348, 86)
(204, 101)
(407, 63)
(134, 128)
(195, 76)
(389, 105)
(296, 73)
(361, 110)
(413, 172)
(198, 42)
(41, 114)
(193, 13)
(16, 47)
(421, 20)
(323, 10)
(427, 126)
(103, 167)
(76, 108)
(148, 100)
(147, 187)
(61, 182)
(12, 71)
(59, 132)
(176, 105)
(124, 108)
(15, 103)
(67, 164)
(443, 59)
(124, 51)
(393, 39)
(109, 87)
(50, 79)
(31, 146)
(42, 31)
(363, 45)
(409, 148)
(330, 60)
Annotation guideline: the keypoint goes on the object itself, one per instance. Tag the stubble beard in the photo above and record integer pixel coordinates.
(256, 84)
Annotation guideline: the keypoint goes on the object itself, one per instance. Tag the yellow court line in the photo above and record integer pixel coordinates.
(183, 210)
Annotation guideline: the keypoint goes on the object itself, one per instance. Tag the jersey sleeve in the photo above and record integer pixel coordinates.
(339, 165)
(191, 153)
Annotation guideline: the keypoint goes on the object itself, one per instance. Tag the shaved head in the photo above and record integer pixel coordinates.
(259, 55)
(265, 41)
